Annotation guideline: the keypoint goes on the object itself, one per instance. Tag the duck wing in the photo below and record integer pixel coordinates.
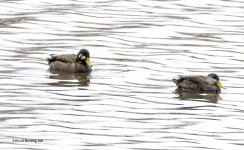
(65, 58)
(189, 82)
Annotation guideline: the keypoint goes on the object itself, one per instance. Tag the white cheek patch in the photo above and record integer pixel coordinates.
(82, 57)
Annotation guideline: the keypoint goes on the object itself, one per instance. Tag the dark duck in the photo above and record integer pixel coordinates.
(209, 83)
(72, 63)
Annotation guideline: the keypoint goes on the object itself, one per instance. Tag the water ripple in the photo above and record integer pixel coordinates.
(129, 100)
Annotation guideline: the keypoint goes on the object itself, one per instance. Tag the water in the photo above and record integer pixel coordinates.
(129, 100)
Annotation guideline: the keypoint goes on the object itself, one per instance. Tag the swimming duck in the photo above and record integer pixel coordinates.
(201, 83)
(70, 62)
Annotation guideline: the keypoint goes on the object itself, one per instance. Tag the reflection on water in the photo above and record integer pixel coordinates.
(128, 101)
(198, 95)
(70, 79)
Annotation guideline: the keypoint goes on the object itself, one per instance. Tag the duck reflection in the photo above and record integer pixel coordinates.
(70, 79)
(212, 97)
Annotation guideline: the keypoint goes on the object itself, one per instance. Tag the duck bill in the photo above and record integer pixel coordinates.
(88, 62)
(220, 85)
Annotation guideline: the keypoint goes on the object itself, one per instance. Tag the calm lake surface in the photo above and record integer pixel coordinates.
(129, 100)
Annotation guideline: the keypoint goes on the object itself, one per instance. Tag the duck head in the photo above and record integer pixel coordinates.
(84, 57)
(216, 77)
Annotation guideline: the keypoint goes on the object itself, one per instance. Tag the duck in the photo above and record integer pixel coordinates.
(70, 63)
(210, 83)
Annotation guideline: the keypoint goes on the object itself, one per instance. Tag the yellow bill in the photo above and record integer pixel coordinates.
(220, 85)
(88, 62)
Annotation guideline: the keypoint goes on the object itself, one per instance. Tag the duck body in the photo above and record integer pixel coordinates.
(71, 63)
(199, 83)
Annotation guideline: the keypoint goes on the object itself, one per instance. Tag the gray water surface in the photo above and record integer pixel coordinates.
(129, 100)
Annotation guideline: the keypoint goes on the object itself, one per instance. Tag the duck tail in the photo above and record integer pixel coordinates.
(48, 60)
(51, 59)
(177, 79)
